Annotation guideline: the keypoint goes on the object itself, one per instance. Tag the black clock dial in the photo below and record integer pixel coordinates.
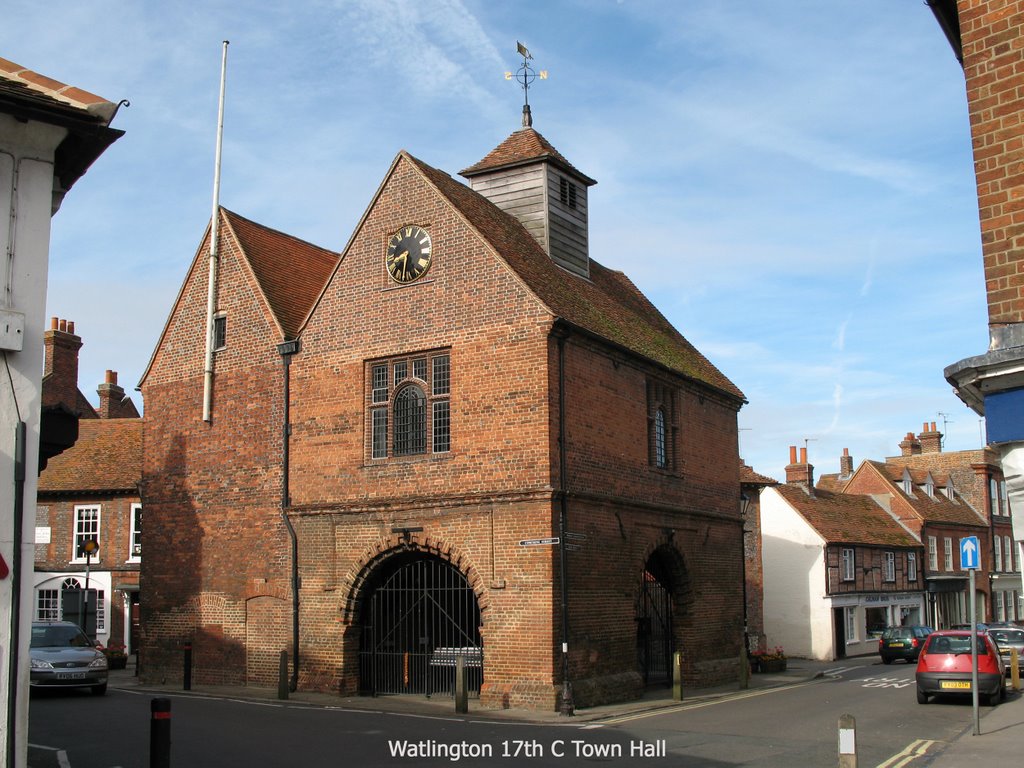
(408, 254)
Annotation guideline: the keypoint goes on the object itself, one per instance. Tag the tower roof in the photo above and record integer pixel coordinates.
(523, 147)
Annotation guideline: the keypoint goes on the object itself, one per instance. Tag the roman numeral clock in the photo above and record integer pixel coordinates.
(408, 254)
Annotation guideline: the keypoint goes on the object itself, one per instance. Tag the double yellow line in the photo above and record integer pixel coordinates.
(912, 751)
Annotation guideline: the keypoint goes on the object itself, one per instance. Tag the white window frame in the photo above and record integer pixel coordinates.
(997, 548)
(889, 566)
(933, 554)
(947, 555)
(911, 567)
(1008, 553)
(135, 536)
(80, 509)
(848, 566)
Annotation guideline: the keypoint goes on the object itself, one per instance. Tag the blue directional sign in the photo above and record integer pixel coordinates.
(970, 553)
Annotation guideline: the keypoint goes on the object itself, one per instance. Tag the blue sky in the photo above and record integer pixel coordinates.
(790, 182)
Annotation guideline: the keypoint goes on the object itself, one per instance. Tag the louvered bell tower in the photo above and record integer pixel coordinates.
(528, 178)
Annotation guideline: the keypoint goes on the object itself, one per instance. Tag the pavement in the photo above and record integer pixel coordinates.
(1000, 741)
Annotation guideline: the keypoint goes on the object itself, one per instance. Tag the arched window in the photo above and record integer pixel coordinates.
(410, 421)
(660, 455)
(409, 406)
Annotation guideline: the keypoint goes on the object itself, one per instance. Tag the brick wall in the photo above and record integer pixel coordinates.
(994, 71)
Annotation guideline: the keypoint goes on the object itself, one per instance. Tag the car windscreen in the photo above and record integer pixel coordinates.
(59, 637)
(1007, 636)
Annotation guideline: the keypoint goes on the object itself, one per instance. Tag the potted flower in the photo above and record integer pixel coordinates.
(117, 658)
(772, 660)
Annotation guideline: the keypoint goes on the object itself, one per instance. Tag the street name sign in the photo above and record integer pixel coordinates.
(538, 542)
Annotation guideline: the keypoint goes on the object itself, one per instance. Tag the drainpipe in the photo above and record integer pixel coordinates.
(286, 350)
(568, 706)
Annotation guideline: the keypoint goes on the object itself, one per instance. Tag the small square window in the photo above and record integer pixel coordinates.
(419, 369)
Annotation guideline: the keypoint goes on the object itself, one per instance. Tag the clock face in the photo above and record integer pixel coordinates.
(408, 255)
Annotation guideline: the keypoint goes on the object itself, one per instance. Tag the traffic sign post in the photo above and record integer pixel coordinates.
(970, 557)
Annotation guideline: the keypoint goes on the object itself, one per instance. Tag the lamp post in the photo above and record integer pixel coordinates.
(89, 546)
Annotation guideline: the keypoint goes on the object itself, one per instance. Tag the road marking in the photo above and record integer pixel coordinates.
(912, 751)
(701, 704)
(886, 682)
(838, 671)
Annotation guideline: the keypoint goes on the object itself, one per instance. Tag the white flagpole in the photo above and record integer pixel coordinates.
(211, 293)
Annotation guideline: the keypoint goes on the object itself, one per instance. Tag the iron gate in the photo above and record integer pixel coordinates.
(654, 645)
(420, 618)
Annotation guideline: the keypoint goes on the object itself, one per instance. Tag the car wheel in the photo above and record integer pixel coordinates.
(922, 697)
(887, 660)
(99, 690)
(1002, 693)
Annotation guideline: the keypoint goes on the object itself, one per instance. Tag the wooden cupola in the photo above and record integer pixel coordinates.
(527, 177)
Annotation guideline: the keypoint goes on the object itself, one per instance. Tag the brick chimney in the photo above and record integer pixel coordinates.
(60, 364)
(910, 446)
(799, 472)
(113, 403)
(845, 464)
(931, 439)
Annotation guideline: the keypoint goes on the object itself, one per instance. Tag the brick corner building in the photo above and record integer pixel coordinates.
(459, 437)
(987, 37)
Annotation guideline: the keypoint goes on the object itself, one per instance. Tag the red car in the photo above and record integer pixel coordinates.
(944, 666)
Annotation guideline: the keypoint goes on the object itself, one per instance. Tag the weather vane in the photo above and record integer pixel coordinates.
(526, 75)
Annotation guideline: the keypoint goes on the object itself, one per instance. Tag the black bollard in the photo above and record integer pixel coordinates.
(160, 733)
(461, 684)
(187, 674)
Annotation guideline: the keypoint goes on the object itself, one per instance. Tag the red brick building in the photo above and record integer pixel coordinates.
(401, 436)
(89, 492)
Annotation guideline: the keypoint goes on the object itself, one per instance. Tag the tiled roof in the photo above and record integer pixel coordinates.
(847, 518)
(291, 272)
(607, 304)
(932, 509)
(24, 85)
(523, 146)
(750, 477)
(106, 457)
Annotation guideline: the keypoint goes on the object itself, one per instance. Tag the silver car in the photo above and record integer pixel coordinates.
(1008, 638)
(63, 656)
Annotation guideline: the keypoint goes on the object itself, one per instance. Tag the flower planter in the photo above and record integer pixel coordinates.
(772, 665)
(117, 662)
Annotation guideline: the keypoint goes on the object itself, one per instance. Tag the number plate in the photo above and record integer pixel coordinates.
(71, 675)
(895, 645)
(956, 684)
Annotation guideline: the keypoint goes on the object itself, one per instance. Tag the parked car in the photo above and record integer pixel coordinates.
(63, 656)
(902, 643)
(944, 666)
(981, 627)
(1008, 638)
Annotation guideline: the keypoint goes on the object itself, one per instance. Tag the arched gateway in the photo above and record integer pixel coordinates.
(655, 636)
(418, 615)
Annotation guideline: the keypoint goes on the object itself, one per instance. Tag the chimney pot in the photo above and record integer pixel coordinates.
(792, 454)
(803, 455)
(71, 327)
(53, 323)
(63, 326)
(111, 377)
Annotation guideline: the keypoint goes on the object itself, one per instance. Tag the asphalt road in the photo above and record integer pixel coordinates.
(792, 726)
